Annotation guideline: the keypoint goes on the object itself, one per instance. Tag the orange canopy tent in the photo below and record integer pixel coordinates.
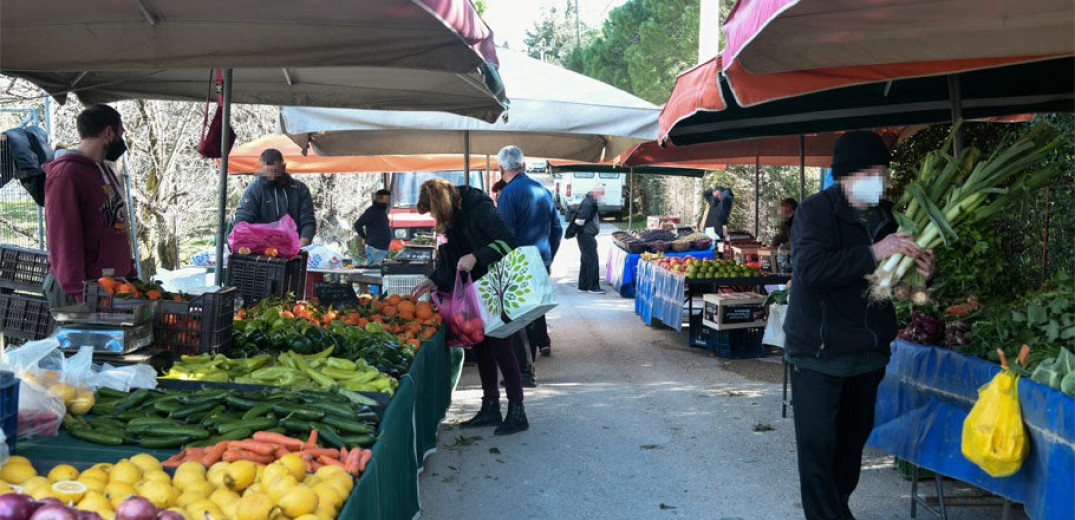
(243, 159)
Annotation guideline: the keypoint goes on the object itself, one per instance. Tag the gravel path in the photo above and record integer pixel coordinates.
(630, 423)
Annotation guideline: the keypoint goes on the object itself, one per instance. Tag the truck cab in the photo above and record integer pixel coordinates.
(403, 218)
(572, 187)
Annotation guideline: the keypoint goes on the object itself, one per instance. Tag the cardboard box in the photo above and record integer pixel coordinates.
(729, 311)
(746, 254)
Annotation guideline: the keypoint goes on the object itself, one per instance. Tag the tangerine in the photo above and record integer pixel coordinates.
(394, 300)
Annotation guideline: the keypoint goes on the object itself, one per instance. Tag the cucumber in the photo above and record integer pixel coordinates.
(133, 400)
(330, 435)
(367, 417)
(168, 405)
(193, 432)
(252, 424)
(362, 441)
(241, 403)
(296, 425)
(97, 437)
(346, 425)
(342, 411)
(164, 442)
(297, 411)
(189, 411)
(106, 424)
(261, 410)
(111, 393)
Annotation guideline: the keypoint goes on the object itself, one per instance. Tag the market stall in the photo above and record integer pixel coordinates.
(621, 267)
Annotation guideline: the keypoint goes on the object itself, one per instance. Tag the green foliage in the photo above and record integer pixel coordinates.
(554, 39)
(973, 265)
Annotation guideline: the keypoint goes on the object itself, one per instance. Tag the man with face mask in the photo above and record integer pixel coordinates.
(85, 209)
(275, 194)
(373, 227)
(836, 339)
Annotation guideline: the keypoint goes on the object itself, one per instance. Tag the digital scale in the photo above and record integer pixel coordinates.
(107, 333)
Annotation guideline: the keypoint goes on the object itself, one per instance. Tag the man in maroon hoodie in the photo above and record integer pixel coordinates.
(85, 214)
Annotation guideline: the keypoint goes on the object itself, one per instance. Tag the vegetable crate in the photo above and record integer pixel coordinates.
(25, 317)
(9, 408)
(906, 470)
(736, 344)
(259, 277)
(201, 324)
(23, 269)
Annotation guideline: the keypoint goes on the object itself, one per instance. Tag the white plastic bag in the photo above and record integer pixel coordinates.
(774, 328)
(44, 389)
(124, 378)
(322, 257)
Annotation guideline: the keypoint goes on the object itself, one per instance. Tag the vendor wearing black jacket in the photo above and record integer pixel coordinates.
(837, 340)
(471, 224)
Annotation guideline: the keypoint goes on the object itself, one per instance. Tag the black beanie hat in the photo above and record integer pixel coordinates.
(858, 150)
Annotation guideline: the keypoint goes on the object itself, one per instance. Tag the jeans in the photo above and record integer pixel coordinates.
(833, 419)
(375, 256)
(493, 352)
(589, 271)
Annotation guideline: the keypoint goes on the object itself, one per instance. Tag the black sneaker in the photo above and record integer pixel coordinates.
(546, 351)
(529, 380)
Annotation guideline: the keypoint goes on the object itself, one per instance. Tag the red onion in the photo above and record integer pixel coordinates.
(87, 515)
(48, 501)
(53, 512)
(170, 515)
(14, 506)
(136, 508)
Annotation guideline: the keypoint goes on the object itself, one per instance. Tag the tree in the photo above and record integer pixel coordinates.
(553, 37)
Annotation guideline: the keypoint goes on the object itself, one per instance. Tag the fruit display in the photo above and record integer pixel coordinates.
(156, 419)
(385, 333)
(139, 488)
(136, 289)
(697, 268)
(288, 369)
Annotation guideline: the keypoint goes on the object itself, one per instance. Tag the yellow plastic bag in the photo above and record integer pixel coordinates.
(993, 433)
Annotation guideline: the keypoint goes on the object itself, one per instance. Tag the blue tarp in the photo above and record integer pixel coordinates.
(659, 295)
(924, 399)
(622, 267)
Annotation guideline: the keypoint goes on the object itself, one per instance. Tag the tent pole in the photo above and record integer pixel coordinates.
(222, 200)
(802, 167)
(757, 196)
(630, 198)
(955, 94)
(466, 157)
(133, 220)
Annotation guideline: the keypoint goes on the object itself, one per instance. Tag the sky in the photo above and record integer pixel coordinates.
(510, 19)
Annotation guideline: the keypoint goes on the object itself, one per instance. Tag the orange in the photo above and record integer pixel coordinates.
(394, 300)
(389, 310)
(423, 312)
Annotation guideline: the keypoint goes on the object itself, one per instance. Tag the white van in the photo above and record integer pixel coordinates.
(571, 188)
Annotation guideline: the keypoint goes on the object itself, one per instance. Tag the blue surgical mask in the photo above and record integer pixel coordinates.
(868, 190)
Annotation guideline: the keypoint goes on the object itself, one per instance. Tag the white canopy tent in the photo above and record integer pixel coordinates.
(554, 113)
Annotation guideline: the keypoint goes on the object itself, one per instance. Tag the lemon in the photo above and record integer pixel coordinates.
(184, 479)
(146, 462)
(323, 514)
(63, 472)
(307, 517)
(17, 472)
(94, 501)
(125, 471)
(94, 473)
(35, 483)
(240, 475)
(295, 465)
(17, 459)
(278, 489)
(300, 500)
(69, 491)
(5, 488)
(255, 506)
(65, 392)
(118, 491)
(215, 475)
(40, 493)
(202, 489)
(82, 403)
(329, 495)
(94, 484)
(157, 474)
(273, 472)
(224, 497)
(205, 507)
(103, 466)
(160, 493)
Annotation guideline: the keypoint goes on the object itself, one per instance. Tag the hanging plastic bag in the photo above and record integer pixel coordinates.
(993, 434)
(43, 390)
(461, 312)
(280, 238)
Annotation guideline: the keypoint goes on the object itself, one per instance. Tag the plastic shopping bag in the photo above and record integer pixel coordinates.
(322, 257)
(280, 237)
(993, 433)
(460, 310)
(42, 390)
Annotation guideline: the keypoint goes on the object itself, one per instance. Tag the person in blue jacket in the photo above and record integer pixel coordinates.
(527, 208)
(838, 341)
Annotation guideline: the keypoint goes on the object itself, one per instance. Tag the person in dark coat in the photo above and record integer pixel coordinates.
(787, 217)
(469, 221)
(838, 341)
(274, 194)
(374, 228)
(720, 200)
(586, 222)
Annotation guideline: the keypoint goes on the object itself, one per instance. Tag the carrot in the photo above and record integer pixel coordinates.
(278, 438)
(214, 453)
(316, 452)
(194, 453)
(329, 461)
(312, 441)
(343, 454)
(236, 454)
(314, 465)
(261, 448)
(281, 452)
(364, 459)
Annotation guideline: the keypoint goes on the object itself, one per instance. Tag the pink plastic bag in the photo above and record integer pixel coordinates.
(461, 312)
(283, 235)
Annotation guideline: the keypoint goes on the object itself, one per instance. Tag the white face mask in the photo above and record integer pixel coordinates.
(868, 190)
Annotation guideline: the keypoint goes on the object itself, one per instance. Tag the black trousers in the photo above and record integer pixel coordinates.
(538, 332)
(589, 274)
(833, 419)
(520, 344)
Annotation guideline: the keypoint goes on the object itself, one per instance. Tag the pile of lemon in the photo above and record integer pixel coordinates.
(239, 490)
(78, 401)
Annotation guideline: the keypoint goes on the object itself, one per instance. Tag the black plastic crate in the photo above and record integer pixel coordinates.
(699, 333)
(736, 343)
(259, 277)
(200, 324)
(25, 317)
(23, 269)
(9, 408)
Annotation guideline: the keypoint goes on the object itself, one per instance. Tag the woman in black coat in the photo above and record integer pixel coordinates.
(471, 224)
